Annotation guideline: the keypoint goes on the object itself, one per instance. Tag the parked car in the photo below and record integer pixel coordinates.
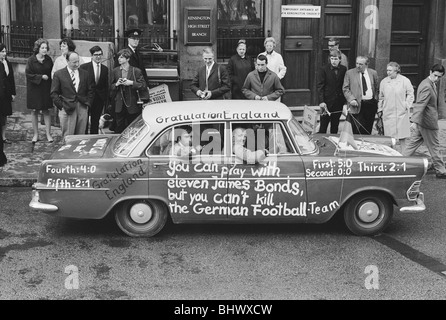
(178, 161)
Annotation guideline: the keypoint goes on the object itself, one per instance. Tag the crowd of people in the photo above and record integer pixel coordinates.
(81, 91)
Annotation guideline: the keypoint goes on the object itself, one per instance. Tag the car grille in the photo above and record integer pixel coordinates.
(414, 191)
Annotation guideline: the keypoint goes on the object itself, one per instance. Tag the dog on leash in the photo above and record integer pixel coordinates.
(105, 122)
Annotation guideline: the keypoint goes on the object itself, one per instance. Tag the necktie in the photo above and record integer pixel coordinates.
(364, 85)
(73, 78)
(208, 71)
(336, 70)
(98, 72)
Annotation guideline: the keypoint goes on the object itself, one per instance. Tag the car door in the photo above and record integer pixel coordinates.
(325, 178)
(188, 184)
(272, 190)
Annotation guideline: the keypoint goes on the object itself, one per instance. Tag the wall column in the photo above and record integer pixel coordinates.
(51, 19)
(5, 18)
(191, 56)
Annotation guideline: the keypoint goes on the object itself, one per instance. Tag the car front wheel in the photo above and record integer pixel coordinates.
(368, 214)
(141, 218)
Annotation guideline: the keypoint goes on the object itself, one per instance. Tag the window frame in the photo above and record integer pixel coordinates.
(288, 140)
(223, 126)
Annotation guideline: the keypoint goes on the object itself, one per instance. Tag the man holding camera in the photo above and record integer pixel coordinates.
(127, 80)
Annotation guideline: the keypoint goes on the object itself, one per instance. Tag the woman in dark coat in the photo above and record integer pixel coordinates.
(239, 66)
(38, 87)
(7, 96)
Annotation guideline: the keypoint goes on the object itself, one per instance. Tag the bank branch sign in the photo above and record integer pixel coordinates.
(296, 11)
(198, 26)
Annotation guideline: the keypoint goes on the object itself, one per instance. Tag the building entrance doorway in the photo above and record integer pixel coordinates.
(305, 45)
(410, 20)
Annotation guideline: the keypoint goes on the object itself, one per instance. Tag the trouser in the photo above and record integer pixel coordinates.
(333, 120)
(366, 118)
(3, 159)
(418, 135)
(75, 123)
(95, 113)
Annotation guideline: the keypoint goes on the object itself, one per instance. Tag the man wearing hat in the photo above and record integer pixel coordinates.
(133, 36)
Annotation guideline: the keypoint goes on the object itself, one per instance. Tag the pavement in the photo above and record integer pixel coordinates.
(24, 157)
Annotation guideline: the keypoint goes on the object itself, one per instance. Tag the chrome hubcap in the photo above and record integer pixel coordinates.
(141, 213)
(368, 212)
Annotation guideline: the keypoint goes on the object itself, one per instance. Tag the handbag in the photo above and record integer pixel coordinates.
(143, 93)
(379, 126)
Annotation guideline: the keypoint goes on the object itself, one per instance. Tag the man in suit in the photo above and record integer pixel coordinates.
(425, 121)
(331, 97)
(72, 91)
(262, 83)
(99, 73)
(211, 81)
(361, 89)
(136, 60)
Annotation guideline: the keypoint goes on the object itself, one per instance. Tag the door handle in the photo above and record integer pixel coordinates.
(299, 44)
(156, 165)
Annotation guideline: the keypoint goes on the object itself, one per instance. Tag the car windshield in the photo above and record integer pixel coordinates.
(130, 137)
(304, 142)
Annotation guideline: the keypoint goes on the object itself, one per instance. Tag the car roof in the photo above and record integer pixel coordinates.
(159, 116)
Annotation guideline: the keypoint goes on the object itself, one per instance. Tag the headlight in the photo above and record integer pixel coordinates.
(426, 165)
(393, 143)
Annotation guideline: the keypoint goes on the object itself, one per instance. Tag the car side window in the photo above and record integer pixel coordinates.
(279, 142)
(189, 140)
(261, 136)
(161, 144)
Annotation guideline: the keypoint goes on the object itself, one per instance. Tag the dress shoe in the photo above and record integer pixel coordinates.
(7, 141)
(441, 175)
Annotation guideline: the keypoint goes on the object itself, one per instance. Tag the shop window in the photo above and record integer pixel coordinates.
(240, 19)
(26, 13)
(26, 26)
(158, 42)
(88, 20)
(151, 16)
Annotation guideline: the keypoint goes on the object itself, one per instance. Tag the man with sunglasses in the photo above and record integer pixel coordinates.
(333, 44)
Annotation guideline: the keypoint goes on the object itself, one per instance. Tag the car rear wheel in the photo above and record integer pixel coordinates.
(368, 214)
(141, 218)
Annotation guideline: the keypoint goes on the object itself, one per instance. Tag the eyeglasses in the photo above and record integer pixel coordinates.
(98, 54)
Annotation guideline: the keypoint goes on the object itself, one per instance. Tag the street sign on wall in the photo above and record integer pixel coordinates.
(296, 11)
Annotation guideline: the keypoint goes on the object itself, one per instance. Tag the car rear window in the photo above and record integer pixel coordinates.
(130, 137)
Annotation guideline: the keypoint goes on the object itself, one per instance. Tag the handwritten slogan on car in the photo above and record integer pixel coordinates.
(231, 193)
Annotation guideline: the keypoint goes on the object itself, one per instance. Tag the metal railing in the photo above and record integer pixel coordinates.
(157, 48)
(19, 40)
(227, 40)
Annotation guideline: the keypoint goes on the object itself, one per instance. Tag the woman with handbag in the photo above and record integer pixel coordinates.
(127, 91)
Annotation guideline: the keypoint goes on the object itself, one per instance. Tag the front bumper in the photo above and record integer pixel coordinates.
(418, 207)
(35, 204)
